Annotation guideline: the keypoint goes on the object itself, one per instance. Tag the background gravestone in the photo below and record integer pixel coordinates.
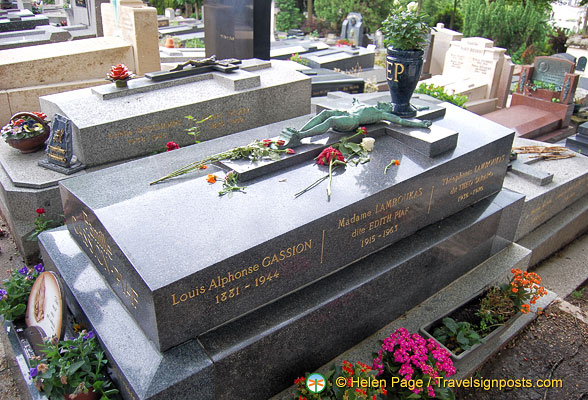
(352, 29)
(237, 28)
(581, 64)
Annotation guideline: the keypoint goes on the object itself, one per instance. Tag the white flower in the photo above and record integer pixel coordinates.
(412, 6)
(368, 143)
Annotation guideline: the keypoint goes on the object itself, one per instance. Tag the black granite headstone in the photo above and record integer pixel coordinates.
(579, 142)
(59, 149)
(237, 28)
(326, 80)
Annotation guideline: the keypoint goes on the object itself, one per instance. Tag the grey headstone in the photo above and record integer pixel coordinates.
(552, 70)
(341, 58)
(352, 29)
(258, 93)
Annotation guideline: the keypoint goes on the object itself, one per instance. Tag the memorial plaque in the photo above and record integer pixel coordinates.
(237, 28)
(59, 149)
(552, 70)
(45, 308)
(302, 239)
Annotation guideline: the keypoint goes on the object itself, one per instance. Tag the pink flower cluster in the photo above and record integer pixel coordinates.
(415, 356)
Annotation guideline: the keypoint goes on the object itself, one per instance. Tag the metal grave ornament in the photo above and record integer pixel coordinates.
(195, 67)
(59, 150)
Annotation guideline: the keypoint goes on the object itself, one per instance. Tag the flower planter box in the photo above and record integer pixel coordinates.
(543, 94)
(466, 312)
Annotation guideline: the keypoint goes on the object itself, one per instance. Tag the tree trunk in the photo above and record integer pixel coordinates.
(453, 15)
(309, 2)
(585, 22)
(189, 10)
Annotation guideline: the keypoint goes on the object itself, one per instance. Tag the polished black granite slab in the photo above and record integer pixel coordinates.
(260, 354)
(184, 260)
(237, 28)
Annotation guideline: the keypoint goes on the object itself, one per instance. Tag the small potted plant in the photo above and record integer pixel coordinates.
(406, 34)
(73, 368)
(27, 131)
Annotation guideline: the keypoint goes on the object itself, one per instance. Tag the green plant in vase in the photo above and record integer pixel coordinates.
(405, 35)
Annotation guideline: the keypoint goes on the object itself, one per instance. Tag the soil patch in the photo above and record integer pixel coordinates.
(553, 347)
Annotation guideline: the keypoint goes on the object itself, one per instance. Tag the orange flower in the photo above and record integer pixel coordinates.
(514, 289)
(211, 178)
(525, 308)
(203, 167)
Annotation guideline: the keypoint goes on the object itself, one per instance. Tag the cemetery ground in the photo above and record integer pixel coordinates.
(554, 346)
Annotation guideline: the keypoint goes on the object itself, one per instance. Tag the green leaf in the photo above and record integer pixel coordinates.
(355, 147)
(450, 324)
(75, 366)
(461, 339)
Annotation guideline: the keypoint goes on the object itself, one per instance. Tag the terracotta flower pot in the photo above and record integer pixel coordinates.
(91, 395)
(34, 143)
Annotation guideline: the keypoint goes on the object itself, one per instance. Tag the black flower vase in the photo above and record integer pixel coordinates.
(403, 70)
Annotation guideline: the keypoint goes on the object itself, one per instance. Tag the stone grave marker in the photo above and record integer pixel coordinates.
(581, 64)
(579, 142)
(237, 28)
(474, 67)
(344, 58)
(21, 20)
(297, 274)
(326, 80)
(352, 29)
(257, 93)
(59, 149)
(412, 202)
(542, 106)
(551, 70)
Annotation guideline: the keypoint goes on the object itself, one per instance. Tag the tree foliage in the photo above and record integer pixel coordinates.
(335, 11)
(440, 11)
(511, 25)
(289, 16)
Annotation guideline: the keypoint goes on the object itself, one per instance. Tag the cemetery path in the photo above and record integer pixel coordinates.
(554, 346)
(9, 258)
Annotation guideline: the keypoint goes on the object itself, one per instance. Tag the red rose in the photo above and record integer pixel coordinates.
(172, 146)
(281, 142)
(40, 211)
(329, 154)
(362, 130)
(290, 151)
(119, 72)
(266, 142)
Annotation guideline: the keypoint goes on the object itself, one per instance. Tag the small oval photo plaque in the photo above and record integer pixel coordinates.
(46, 306)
